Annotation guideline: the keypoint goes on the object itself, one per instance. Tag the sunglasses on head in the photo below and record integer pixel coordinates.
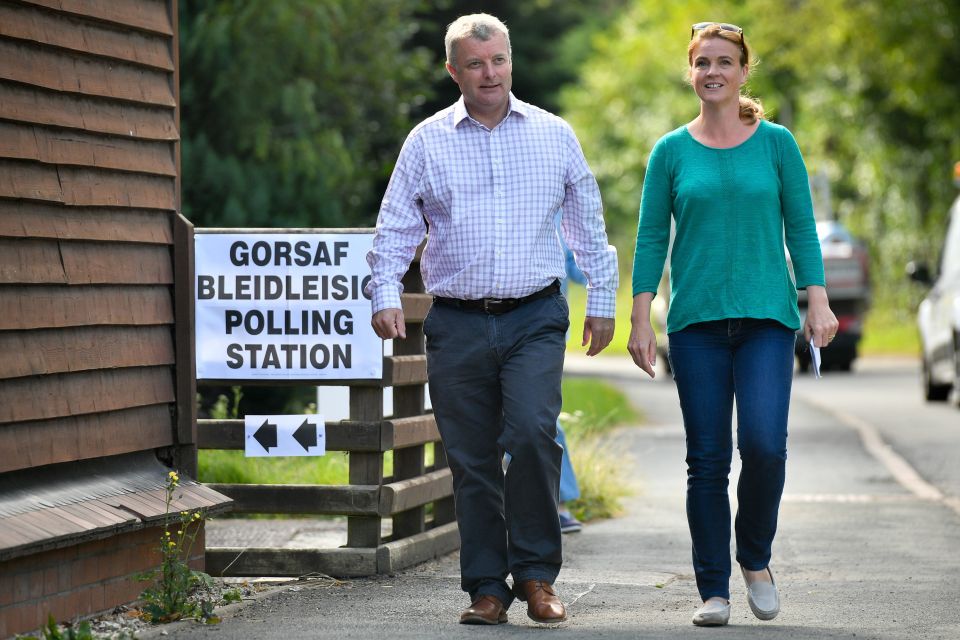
(724, 26)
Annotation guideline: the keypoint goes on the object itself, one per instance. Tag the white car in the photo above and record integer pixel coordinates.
(939, 314)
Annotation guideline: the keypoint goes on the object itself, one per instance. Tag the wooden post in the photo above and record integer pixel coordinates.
(443, 510)
(185, 421)
(409, 462)
(366, 404)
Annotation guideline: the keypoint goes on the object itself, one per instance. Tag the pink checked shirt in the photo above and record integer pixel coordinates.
(490, 198)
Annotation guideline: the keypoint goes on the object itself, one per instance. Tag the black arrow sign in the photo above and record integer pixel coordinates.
(266, 435)
(306, 435)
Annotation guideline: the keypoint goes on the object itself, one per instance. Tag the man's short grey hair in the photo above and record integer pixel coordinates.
(481, 26)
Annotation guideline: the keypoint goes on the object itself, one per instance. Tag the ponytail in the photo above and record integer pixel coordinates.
(750, 110)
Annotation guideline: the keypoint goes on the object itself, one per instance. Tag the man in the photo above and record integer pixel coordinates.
(487, 175)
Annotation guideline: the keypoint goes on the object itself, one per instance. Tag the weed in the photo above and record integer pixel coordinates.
(81, 631)
(174, 582)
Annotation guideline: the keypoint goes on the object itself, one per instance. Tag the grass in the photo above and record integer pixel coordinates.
(890, 331)
(590, 409)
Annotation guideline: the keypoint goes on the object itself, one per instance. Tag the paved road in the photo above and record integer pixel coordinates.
(868, 542)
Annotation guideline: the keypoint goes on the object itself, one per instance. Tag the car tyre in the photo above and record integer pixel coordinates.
(956, 369)
(932, 391)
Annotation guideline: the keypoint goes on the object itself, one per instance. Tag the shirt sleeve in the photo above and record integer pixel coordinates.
(800, 229)
(585, 233)
(653, 228)
(400, 228)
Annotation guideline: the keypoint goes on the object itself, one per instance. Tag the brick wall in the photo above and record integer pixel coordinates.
(79, 581)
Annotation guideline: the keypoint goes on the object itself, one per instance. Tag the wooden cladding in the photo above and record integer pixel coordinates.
(20, 219)
(84, 187)
(61, 395)
(67, 147)
(40, 106)
(45, 307)
(32, 64)
(56, 262)
(31, 353)
(88, 199)
(65, 31)
(43, 442)
(145, 15)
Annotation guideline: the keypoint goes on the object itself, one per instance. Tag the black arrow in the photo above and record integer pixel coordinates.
(266, 435)
(306, 435)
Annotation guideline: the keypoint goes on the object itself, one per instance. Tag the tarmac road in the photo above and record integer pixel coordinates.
(867, 545)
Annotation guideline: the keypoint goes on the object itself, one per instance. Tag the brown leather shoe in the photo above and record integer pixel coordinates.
(484, 610)
(543, 605)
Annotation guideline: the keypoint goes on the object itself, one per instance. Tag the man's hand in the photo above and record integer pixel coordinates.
(389, 324)
(598, 332)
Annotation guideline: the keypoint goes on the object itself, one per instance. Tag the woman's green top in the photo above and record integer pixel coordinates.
(733, 208)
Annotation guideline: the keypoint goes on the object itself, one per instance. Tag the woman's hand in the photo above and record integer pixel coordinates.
(642, 344)
(820, 323)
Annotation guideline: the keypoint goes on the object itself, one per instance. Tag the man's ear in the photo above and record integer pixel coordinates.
(452, 71)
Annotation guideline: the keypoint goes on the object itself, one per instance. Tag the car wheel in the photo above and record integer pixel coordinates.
(932, 391)
(956, 369)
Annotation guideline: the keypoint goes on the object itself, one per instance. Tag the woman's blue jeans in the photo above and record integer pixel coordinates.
(713, 363)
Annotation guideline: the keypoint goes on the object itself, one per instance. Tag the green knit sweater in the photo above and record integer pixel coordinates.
(733, 208)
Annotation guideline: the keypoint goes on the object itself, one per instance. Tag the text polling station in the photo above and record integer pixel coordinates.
(284, 306)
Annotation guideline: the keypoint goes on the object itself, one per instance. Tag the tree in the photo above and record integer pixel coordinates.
(293, 111)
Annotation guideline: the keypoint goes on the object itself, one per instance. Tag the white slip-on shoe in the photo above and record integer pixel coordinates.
(763, 597)
(713, 613)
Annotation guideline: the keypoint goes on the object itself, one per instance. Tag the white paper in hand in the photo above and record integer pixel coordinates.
(815, 359)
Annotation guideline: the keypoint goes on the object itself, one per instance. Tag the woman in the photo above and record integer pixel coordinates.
(736, 187)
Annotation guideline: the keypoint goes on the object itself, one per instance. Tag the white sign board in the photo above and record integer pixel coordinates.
(303, 435)
(284, 306)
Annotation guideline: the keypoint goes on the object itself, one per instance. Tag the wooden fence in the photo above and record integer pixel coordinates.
(417, 498)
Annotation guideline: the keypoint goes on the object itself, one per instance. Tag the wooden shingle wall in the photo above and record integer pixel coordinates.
(88, 195)
(96, 354)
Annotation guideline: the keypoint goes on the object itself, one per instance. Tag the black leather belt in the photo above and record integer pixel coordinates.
(496, 306)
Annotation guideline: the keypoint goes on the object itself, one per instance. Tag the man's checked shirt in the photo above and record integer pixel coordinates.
(490, 198)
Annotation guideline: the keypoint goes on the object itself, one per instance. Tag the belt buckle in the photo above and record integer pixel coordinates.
(492, 305)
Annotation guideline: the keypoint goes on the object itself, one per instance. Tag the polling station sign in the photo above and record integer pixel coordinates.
(284, 306)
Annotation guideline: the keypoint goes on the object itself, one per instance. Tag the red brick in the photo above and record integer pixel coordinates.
(6, 589)
(97, 602)
(64, 576)
(50, 581)
(23, 618)
(21, 587)
(122, 591)
(10, 619)
(36, 584)
(88, 570)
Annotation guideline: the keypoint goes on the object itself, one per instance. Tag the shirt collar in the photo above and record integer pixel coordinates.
(460, 109)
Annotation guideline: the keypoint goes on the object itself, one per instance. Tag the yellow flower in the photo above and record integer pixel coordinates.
(172, 544)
